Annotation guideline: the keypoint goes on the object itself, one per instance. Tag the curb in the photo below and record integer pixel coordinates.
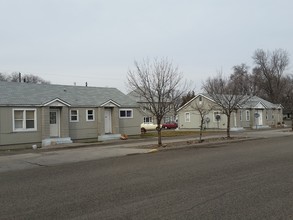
(153, 151)
(203, 145)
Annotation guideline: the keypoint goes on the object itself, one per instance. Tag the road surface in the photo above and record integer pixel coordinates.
(248, 180)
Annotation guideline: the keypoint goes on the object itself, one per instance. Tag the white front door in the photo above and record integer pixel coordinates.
(259, 118)
(54, 122)
(108, 121)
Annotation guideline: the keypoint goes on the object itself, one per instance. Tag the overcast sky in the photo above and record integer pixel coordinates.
(97, 41)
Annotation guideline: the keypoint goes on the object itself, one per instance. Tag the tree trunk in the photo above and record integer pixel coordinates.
(228, 126)
(159, 129)
(292, 122)
(159, 137)
(200, 132)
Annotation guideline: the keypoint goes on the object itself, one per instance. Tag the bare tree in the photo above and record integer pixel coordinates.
(203, 112)
(3, 77)
(269, 73)
(241, 76)
(176, 96)
(18, 77)
(159, 84)
(288, 98)
(227, 94)
(187, 97)
(30, 78)
(14, 77)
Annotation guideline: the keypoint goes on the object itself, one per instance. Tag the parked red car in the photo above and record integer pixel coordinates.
(170, 125)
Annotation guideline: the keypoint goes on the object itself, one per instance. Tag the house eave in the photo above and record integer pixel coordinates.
(191, 100)
(110, 103)
(20, 105)
(56, 100)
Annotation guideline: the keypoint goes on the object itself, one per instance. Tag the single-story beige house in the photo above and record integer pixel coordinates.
(255, 113)
(46, 114)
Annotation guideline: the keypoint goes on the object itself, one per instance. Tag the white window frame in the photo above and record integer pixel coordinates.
(168, 119)
(187, 116)
(240, 118)
(247, 115)
(126, 110)
(150, 121)
(23, 129)
(77, 115)
(87, 115)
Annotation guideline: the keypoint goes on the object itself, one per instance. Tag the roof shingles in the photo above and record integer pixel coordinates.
(12, 93)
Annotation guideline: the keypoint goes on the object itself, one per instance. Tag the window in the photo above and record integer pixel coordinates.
(126, 113)
(247, 115)
(168, 119)
(90, 115)
(147, 119)
(24, 120)
(73, 115)
(187, 117)
(241, 115)
(200, 100)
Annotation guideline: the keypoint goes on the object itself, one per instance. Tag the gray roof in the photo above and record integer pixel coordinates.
(249, 102)
(27, 94)
(253, 101)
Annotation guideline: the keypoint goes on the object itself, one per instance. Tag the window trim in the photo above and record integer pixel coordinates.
(24, 129)
(150, 121)
(240, 113)
(87, 115)
(200, 100)
(247, 115)
(77, 115)
(187, 119)
(125, 110)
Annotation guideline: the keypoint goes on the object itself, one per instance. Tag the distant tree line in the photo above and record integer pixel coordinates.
(269, 79)
(19, 77)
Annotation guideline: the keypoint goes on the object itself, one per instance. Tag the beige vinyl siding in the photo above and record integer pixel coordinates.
(83, 129)
(131, 126)
(214, 124)
(195, 116)
(9, 137)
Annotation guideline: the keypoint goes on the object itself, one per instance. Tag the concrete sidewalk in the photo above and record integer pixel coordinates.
(77, 152)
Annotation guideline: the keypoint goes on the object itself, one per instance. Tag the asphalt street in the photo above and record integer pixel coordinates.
(245, 180)
(77, 152)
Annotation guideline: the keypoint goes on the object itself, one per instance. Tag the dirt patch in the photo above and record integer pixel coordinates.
(193, 142)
